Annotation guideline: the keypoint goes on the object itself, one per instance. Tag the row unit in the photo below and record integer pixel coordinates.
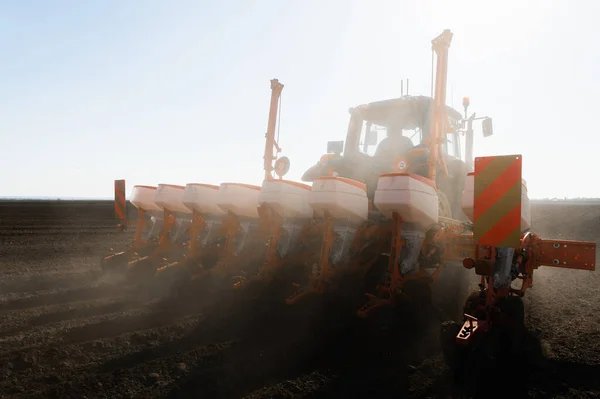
(413, 197)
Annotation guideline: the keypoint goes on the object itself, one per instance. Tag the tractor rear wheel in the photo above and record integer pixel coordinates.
(472, 304)
(456, 355)
(514, 310)
(462, 359)
(467, 362)
(450, 350)
(511, 326)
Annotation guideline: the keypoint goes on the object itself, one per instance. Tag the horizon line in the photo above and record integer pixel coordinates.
(57, 198)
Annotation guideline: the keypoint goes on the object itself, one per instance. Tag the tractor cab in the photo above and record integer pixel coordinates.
(397, 127)
(393, 136)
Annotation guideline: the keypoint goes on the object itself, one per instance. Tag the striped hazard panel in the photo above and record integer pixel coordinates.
(497, 202)
(120, 204)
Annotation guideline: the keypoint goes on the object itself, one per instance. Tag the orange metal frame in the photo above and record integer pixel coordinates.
(271, 223)
(386, 293)
(270, 142)
(317, 282)
(533, 253)
(229, 229)
(322, 281)
(138, 244)
(194, 251)
(440, 45)
(164, 247)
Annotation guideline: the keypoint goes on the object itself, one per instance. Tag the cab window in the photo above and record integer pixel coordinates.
(449, 145)
(369, 142)
(370, 137)
(415, 136)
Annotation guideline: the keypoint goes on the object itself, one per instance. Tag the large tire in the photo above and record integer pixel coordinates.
(472, 303)
(463, 361)
(458, 358)
(455, 355)
(448, 332)
(511, 328)
(514, 310)
(494, 349)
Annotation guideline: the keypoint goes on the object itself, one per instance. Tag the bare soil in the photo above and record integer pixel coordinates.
(68, 330)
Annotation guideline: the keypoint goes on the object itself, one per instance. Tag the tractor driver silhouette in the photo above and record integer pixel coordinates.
(393, 146)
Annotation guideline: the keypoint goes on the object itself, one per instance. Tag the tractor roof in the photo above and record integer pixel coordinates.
(408, 111)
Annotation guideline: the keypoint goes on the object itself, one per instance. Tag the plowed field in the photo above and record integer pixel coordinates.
(67, 330)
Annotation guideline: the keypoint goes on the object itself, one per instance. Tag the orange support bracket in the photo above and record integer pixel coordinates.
(317, 281)
(394, 281)
(271, 226)
(580, 255)
(196, 228)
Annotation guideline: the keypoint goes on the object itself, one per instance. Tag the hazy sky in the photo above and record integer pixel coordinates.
(176, 92)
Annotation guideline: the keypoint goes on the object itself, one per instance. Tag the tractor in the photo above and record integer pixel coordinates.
(408, 155)
(394, 210)
(396, 136)
(417, 203)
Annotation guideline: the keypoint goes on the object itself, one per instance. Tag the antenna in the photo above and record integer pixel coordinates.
(402, 87)
(432, 62)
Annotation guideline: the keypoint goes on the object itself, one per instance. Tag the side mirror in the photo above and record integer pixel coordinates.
(371, 137)
(335, 147)
(486, 126)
